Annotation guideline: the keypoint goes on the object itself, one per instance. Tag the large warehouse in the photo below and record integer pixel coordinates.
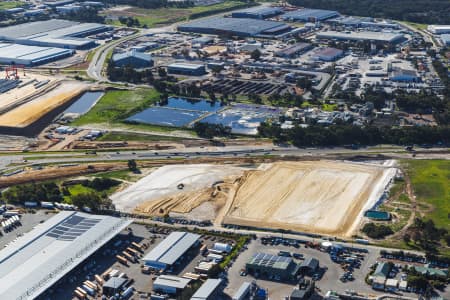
(384, 37)
(439, 29)
(37, 260)
(310, 15)
(171, 249)
(236, 26)
(53, 33)
(259, 12)
(30, 55)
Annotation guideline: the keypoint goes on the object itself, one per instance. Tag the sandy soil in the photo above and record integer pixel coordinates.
(30, 112)
(157, 193)
(322, 196)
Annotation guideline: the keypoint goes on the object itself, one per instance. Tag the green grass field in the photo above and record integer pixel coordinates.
(431, 183)
(417, 25)
(11, 4)
(164, 16)
(115, 106)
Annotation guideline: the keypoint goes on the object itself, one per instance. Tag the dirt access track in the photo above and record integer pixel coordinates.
(326, 197)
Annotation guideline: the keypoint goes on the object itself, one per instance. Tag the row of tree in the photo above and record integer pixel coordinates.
(419, 11)
(341, 135)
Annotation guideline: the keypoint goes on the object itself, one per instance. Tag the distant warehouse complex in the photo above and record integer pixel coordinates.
(384, 37)
(242, 27)
(53, 33)
(37, 260)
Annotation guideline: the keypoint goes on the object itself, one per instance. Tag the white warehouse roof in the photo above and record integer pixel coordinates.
(207, 289)
(172, 281)
(172, 248)
(361, 35)
(37, 260)
(30, 55)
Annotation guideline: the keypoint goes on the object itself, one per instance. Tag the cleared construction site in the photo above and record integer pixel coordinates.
(326, 197)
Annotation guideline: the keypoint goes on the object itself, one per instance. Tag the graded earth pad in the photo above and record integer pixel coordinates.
(178, 188)
(32, 111)
(319, 196)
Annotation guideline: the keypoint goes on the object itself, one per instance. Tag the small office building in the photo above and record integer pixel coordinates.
(168, 284)
(272, 266)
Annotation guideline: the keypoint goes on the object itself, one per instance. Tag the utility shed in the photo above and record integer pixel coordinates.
(113, 286)
(170, 284)
(382, 270)
(171, 249)
(208, 291)
(309, 265)
(133, 58)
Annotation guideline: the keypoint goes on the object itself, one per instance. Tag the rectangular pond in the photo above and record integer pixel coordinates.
(83, 104)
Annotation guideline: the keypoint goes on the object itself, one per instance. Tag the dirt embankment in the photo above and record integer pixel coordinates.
(52, 173)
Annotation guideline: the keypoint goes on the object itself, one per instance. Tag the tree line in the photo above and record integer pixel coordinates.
(342, 135)
(419, 11)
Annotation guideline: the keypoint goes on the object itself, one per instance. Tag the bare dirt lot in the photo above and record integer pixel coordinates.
(161, 191)
(322, 196)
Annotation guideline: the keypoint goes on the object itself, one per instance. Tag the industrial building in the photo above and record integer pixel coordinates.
(259, 12)
(327, 54)
(34, 262)
(208, 291)
(30, 55)
(272, 266)
(169, 284)
(133, 58)
(309, 15)
(186, 69)
(383, 37)
(53, 33)
(439, 29)
(170, 250)
(243, 27)
(294, 50)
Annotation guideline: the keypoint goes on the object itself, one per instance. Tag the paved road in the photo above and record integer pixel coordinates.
(14, 161)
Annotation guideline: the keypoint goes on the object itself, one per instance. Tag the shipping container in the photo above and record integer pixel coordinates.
(122, 259)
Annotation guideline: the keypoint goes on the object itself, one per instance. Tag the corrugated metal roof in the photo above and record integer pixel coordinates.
(119, 56)
(243, 290)
(11, 52)
(234, 25)
(172, 281)
(41, 257)
(186, 66)
(172, 247)
(206, 289)
(362, 35)
(306, 14)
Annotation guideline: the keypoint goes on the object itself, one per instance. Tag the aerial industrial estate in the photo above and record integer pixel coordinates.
(217, 149)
